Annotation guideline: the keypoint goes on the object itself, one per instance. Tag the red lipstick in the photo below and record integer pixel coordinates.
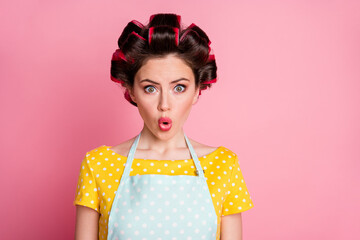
(165, 123)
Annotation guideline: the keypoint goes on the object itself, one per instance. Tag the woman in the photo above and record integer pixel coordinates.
(168, 186)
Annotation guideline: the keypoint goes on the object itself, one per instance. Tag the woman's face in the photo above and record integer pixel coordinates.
(164, 87)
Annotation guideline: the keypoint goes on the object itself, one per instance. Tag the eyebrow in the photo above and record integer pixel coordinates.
(178, 80)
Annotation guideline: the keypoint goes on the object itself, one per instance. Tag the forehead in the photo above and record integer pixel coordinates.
(166, 68)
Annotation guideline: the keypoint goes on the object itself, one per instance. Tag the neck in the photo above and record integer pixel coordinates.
(161, 142)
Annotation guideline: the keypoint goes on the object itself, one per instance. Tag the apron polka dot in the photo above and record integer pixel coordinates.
(221, 166)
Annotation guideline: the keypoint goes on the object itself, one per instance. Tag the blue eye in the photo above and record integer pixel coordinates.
(179, 87)
(149, 87)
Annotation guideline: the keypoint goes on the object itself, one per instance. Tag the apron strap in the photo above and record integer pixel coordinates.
(199, 171)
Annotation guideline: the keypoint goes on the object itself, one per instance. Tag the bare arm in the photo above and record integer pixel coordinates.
(231, 227)
(87, 223)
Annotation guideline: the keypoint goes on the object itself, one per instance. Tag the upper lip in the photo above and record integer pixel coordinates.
(165, 119)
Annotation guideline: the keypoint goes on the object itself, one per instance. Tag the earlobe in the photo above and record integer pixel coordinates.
(131, 94)
(196, 97)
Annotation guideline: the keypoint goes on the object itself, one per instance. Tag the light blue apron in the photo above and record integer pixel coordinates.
(162, 207)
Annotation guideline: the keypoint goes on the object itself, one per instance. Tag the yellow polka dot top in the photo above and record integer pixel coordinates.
(102, 168)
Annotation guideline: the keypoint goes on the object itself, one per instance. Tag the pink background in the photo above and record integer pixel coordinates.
(286, 101)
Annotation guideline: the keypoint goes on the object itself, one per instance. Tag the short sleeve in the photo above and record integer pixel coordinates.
(238, 198)
(86, 190)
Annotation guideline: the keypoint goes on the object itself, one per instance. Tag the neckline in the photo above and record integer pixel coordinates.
(205, 156)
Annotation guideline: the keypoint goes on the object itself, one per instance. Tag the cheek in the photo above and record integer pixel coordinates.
(146, 109)
(184, 107)
(145, 106)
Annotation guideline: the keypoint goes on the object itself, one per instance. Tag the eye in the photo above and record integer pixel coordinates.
(180, 88)
(150, 88)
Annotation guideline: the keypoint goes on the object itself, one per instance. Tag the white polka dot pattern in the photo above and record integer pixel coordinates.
(229, 200)
(164, 207)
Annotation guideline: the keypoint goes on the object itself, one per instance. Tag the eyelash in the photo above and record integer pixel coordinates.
(175, 87)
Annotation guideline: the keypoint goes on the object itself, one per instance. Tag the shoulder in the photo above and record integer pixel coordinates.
(122, 148)
(228, 154)
(100, 153)
(220, 165)
(203, 149)
(227, 151)
(223, 156)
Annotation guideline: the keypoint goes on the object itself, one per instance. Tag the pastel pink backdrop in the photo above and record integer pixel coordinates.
(286, 101)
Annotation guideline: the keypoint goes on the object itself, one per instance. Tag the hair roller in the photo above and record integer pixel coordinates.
(127, 96)
(157, 30)
(202, 34)
(199, 31)
(168, 19)
(211, 53)
(137, 23)
(126, 93)
(160, 25)
(207, 82)
(161, 36)
(116, 59)
(137, 35)
(210, 49)
(130, 36)
(191, 25)
(118, 55)
(151, 30)
(117, 80)
(195, 29)
(210, 81)
(133, 26)
(131, 45)
(152, 17)
(184, 34)
(176, 30)
(192, 42)
(211, 57)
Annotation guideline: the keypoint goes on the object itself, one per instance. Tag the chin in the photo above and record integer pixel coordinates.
(165, 135)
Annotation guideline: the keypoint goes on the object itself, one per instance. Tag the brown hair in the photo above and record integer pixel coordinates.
(162, 36)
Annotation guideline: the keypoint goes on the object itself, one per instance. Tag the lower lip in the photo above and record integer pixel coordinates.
(165, 127)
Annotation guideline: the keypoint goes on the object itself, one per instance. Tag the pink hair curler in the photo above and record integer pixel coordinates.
(179, 19)
(151, 17)
(136, 34)
(137, 23)
(118, 55)
(116, 80)
(127, 95)
(151, 30)
(211, 57)
(207, 82)
(210, 81)
(176, 30)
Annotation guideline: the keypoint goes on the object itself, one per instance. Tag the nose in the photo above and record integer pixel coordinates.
(164, 101)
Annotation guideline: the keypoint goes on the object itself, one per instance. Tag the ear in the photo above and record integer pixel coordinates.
(131, 93)
(196, 96)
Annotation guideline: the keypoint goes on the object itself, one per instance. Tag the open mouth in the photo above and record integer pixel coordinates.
(165, 123)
